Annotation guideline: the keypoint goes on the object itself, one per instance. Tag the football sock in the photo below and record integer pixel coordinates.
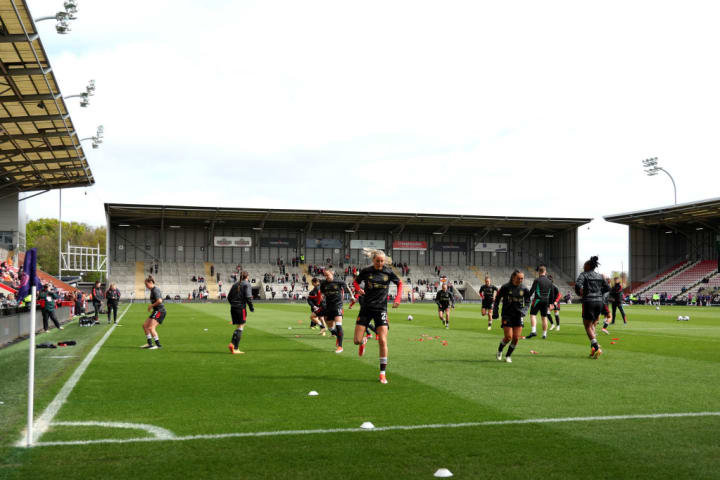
(236, 336)
(549, 317)
(594, 344)
(511, 349)
(534, 329)
(605, 324)
(157, 341)
(383, 364)
(557, 319)
(149, 339)
(339, 335)
(502, 345)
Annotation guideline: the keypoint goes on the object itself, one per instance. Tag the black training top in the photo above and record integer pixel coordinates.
(592, 287)
(113, 295)
(240, 294)
(377, 284)
(315, 298)
(515, 300)
(333, 292)
(616, 293)
(156, 294)
(487, 291)
(444, 298)
(542, 289)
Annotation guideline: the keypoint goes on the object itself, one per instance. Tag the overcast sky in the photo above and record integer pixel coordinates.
(467, 107)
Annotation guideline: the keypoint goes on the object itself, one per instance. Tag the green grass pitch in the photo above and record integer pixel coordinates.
(194, 387)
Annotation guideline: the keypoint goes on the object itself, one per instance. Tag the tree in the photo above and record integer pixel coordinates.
(43, 235)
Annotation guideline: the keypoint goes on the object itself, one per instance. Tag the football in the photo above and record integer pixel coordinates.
(410, 317)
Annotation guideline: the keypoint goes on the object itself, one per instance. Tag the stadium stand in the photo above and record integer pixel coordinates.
(686, 279)
(662, 276)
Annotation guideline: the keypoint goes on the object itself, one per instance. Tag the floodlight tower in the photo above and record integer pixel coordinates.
(652, 168)
(98, 138)
(62, 17)
(85, 96)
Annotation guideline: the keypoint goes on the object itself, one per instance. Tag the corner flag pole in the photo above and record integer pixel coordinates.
(31, 368)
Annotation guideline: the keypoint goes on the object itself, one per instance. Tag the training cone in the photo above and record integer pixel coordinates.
(313, 394)
(367, 426)
(443, 473)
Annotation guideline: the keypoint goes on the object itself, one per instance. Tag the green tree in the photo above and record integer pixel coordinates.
(43, 235)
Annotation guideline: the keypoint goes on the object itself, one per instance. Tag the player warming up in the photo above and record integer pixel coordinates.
(333, 291)
(317, 307)
(488, 292)
(592, 287)
(240, 298)
(374, 282)
(445, 301)
(515, 298)
(541, 290)
(554, 306)
(616, 299)
(157, 314)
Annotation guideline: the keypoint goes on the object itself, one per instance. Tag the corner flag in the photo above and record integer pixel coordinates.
(29, 275)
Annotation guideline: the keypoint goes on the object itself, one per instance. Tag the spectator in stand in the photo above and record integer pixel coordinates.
(113, 298)
(48, 309)
(212, 270)
(97, 298)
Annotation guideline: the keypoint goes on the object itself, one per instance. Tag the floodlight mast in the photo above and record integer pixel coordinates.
(85, 96)
(652, 168)
(62, 17)
(96, 139)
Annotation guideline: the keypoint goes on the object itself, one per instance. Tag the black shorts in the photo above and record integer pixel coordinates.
(239, 316)
(331, 312)
(592, 310)
(378, 317)
(512, 322)
(158, 315)
(539, 306)
(487, 304)
(443, 308)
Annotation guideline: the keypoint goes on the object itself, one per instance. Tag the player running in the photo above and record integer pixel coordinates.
(488, 292)
(515, 298)
(317, 307)
(445, 301)
(356, 298)
(592, 287)
(239, 297)
(541, 290)
(376, 280)
(555, 297)
(157, 315)
(333, 291)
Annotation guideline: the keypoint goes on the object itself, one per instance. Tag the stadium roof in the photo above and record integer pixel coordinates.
(703, 213)
(260, 218)
(39, 148)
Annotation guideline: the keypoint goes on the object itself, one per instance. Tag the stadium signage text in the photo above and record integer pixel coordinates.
(491, 247)
(358, 244)
(448, 247)
(233, 242)
(409, 245)
(323, 243)
(278, 242)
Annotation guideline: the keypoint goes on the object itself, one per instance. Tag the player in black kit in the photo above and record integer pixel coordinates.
(616, 299)
(240, 298)
(541, 290)
(445, 301)
(317, 306)
(375, 282)
(157, 315)
(554, 306)
(488, 293)
(592, 287)
(333, 290)
(515, 298)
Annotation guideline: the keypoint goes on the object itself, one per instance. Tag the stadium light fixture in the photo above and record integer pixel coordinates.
(669, 231)
(652, 168)
(437, 233)
(174, 226)
(549, 235)
(507, 234)
(98, 138)
(349, 231)
(699, 228)
(123, 225)
(257, 229)
(85, 96)
(62, 17)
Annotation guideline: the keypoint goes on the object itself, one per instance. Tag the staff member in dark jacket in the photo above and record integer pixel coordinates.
(515, 298)
(97, 298)
(593, 288)
(240, 297)
(48, 310)
(113, 298)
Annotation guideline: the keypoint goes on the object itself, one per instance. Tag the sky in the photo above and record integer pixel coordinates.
(462, 107)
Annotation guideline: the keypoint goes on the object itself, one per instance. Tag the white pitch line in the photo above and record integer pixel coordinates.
(383, 429)
(41, 425)
(158, 433)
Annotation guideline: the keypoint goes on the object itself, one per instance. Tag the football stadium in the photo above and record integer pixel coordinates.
(238, 341)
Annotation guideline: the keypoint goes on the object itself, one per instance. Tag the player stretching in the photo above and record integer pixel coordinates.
(240, 297)
(356, 298)
(515, 298)
(444, 300)
(488, 292)
(542, 290)
(156, 317)
(592, 287)
(616, 298)
(555, 296)
(333, 291)
(317, 307)
(376, 280)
